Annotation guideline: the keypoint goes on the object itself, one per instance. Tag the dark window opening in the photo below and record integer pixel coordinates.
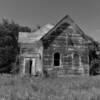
(30, 66)
(56, 59)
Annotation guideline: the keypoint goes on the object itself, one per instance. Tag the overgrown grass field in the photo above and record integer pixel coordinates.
(39, 88)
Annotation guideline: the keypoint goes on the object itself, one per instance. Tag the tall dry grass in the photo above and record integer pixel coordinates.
(36, 88)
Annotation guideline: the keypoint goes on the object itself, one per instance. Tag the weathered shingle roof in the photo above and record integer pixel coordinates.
(25, 37)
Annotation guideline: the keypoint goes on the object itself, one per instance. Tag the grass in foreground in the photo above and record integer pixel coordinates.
(63, 88)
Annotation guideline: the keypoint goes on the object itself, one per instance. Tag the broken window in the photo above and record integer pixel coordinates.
(56, 59)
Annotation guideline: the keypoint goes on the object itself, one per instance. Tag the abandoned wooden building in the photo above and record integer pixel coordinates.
(61, 49)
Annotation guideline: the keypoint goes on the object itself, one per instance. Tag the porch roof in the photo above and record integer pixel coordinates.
(25, 37)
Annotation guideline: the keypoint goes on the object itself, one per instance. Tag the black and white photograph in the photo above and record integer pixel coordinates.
(49, 49)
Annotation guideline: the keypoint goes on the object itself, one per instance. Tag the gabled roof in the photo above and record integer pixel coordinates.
(67, 19)
(25, 37)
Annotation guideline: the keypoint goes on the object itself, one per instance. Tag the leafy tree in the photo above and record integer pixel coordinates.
(9, 44)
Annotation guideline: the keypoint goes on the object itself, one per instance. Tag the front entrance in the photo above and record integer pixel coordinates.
(29, 66)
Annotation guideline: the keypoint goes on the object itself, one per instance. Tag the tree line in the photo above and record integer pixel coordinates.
(9, 43)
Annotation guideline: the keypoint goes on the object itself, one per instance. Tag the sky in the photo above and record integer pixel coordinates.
(85, 13)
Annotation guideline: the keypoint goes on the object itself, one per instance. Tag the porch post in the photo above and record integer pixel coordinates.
(33, 69)
(23, 66)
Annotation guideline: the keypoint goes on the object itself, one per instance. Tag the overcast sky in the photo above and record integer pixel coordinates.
(86, 13)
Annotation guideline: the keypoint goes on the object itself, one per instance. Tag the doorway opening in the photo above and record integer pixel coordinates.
(30, 66)
(57, 59)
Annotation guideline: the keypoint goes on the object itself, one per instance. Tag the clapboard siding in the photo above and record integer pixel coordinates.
(67, 51)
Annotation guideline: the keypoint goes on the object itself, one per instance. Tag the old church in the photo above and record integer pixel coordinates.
(59, 49)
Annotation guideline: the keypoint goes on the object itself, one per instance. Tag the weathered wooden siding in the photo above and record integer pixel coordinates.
(31, 51)
(69, 62)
